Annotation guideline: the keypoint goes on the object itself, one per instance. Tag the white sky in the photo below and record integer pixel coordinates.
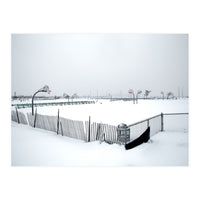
(99, 63)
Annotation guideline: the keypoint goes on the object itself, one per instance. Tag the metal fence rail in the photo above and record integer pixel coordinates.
(173, 123)
(27, 105)
(138, 128)
(158, 123)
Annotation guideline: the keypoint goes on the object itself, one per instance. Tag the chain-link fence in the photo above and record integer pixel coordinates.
(158, 123)
(176, 122)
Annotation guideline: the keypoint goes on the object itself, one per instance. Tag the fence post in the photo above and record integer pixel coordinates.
(98, 131)
(58, 122)
(125, 136)
(17, 115)
(35, 117)
(147, 123)
(162, 124)
(61, 128)
(89, 131)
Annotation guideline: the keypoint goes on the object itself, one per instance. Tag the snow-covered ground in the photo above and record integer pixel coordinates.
(36, 147)
(115, 112)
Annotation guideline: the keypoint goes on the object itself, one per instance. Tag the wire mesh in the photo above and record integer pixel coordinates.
(176, 122)
(137, 129)
(155, 125)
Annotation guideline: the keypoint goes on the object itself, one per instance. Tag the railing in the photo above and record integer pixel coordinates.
(27, 105)
(158, 123)
(176, 122)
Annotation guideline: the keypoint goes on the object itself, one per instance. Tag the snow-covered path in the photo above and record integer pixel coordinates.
(36, 147)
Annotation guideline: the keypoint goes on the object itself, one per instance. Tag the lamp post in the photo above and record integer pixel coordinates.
(44, 89)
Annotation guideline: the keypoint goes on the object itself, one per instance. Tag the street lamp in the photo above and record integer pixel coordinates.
(44, 89)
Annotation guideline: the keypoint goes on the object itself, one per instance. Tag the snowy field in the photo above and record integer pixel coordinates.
(115, 112)
(37, 147)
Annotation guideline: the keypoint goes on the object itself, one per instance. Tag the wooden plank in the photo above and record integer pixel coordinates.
(58, 122)
(86, 129)
(112, 133)
(88, 132)
(17, 115)
(78, 130)
(61, 128)
(69, 128)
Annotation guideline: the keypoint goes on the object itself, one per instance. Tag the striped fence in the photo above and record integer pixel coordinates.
(18, 117)
(104, 132)
(43, 121)
(74, 128)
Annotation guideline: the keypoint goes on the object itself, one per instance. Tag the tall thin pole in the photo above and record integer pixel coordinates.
(89, 130)
(33, 100)
(179, 92)
(58, 122)
(17, 115)
(162, 124)
(35, 118)
(182, 92)
(133, 98)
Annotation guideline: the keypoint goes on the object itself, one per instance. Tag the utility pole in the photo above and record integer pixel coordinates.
(182, 92)
(179, 92)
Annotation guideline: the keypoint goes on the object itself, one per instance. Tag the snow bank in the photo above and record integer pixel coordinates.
(37, 147)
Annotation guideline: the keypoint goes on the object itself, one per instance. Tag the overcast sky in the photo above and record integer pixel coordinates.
(99, 63)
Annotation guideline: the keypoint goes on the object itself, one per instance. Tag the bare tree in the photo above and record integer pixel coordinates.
(146, 93)
(170, 95)
(75, 95)
(163, 96)
(138, 92)
(66, 96)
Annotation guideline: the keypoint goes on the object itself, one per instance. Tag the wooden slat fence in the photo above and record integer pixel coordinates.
(18, 117)
(100, 131)
(43, 121)
(110, 133)
(72, 128)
